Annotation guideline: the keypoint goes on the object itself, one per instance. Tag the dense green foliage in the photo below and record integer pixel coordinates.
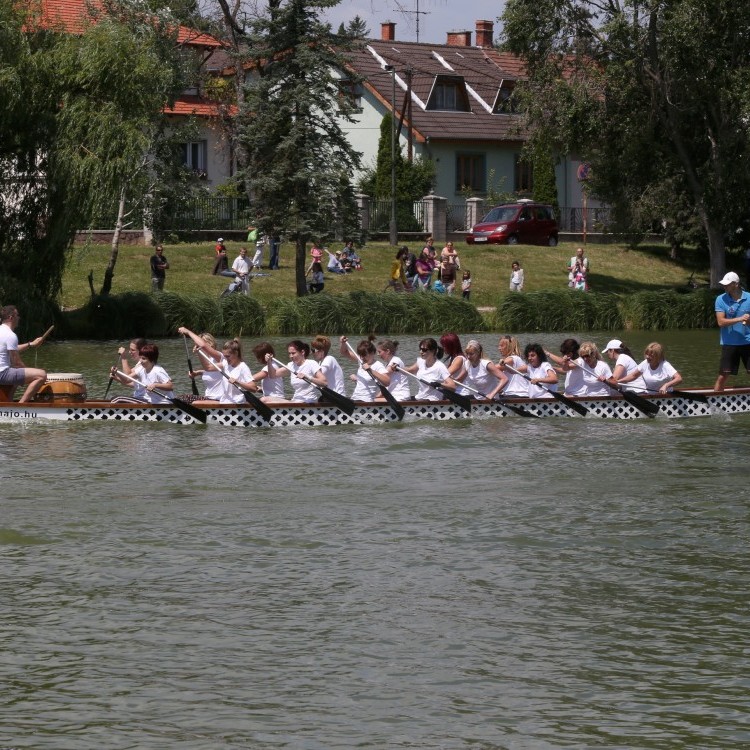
(80, 117)
(655, 96)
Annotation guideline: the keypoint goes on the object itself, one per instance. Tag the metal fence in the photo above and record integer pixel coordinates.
(210, 212)
(410, 215)
(571, 219)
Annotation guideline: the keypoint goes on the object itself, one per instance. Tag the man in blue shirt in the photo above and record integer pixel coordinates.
(732, 316)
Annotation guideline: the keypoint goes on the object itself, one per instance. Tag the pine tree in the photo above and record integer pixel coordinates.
(298, 163)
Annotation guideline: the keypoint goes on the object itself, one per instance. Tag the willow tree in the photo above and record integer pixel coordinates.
(118, 78)
(296, 163)
(80, 117)
(655, 95)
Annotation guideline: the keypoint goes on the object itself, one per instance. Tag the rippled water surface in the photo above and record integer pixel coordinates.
(498, 584)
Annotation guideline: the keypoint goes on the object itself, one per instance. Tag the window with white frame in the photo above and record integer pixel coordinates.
(195, 157)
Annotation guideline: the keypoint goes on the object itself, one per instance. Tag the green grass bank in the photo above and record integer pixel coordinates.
(631, 289)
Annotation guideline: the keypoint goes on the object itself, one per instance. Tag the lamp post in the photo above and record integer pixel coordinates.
(393, 229)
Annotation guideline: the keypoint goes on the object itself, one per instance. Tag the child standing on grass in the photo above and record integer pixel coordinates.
(516, 277)
(466, 285)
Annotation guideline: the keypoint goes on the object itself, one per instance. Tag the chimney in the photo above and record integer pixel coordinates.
(388, 31)
(459, 39)
(484, 33)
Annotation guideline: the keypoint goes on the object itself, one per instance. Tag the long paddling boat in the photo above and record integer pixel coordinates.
(694, 402)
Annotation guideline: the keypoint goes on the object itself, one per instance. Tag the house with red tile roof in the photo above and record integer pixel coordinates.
(209, 154)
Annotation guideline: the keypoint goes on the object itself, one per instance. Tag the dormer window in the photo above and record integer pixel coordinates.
(505, 101)
(449, 95)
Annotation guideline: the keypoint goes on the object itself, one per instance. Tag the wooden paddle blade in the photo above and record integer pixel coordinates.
(691, 396)
(647, 407)
(392, 402)
(517, 409)
(261, 407)
(196, 413)
(580, 408)
(457, 398)
(345, 404)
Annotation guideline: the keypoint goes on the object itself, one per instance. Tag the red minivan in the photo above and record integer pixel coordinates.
(523, 222)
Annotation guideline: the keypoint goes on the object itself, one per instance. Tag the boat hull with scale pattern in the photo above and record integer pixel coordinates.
(703, 403)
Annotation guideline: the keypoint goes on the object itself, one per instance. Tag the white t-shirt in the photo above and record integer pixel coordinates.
(629, 364)
(241, 265)
(304, 392)
(8, 343)
(399, 385)
(517, 385)
(655, 379)
(334, 374)
(437, 371)
(536, 391)
(157, 375)
(367, 388)
(272, 386)
(213, 382)
(587, 384)
(232, 394)
(479, 377)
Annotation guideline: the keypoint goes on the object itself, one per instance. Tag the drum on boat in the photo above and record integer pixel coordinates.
(62, 386)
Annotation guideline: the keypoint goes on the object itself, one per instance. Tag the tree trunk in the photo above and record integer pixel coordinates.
(300, 258)
(110, 272)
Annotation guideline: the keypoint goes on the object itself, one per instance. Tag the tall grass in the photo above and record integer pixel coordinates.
(668, 310)
(364, 313)
(567, 310)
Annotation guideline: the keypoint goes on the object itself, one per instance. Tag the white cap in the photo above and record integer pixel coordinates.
(730, 278)
(221, 239)
(614, 344)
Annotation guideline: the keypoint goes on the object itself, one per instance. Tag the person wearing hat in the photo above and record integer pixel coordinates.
(732, 316)
(625, 365)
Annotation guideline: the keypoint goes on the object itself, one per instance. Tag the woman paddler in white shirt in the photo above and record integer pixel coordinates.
(211, 378)
(228, 360)
(510, 355)
(429, 367)
(370, 372)
(481, 373)
(541, 374)
(658, 374)
(299, 364)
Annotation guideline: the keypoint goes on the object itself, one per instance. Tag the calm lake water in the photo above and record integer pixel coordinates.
(512, 583)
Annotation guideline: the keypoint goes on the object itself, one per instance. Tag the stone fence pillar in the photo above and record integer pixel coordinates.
(474, 206)
(436, 217)
(363, 206)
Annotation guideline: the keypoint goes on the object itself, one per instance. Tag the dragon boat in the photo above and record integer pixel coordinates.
(64, 400)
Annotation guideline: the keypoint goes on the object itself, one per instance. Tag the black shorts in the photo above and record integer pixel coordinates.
(731, 355)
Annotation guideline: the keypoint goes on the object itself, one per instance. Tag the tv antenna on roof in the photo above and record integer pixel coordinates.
(416, 13)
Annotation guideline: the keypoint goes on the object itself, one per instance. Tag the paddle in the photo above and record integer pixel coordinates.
(197, 414)
(516, 409)
(685, 394)
(463, 401)
(389, 397)
(111, 377)
(342, 402)
(649, 408)
(262, 408)
(190, 368)
(580, 408)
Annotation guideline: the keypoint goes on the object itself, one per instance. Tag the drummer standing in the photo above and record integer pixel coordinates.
(12, 370)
